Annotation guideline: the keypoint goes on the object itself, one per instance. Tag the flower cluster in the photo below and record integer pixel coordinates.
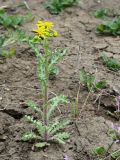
(45, 30)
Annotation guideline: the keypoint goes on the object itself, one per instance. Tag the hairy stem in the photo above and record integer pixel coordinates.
(45, 109)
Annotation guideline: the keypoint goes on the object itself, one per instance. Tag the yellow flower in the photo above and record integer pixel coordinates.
(39, 23)
(45, 29)
(40, 32)
(55, 34)
(46, 24)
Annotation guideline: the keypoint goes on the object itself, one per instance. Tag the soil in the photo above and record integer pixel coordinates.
(19, 83)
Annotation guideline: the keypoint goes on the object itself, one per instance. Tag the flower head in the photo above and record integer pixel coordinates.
(45, 30)
(46, 24)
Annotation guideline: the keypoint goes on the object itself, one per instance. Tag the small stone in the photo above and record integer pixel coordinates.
(7, 89)
(3, 138)
(100, 46)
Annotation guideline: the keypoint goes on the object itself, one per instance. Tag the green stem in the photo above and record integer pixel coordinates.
(45, 110)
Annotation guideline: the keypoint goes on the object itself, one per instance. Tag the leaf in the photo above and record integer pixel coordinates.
(111, 27)
(83, 76)
(54, 102)
(40, 127)
(57, 126)
(16, 20)
(61, 137)
(34, 107)
(56, 6)
(88, 79)
(12, 21)
(100, 151)
(90, 82)
(112, 63)
(113, 134)
(101, 28)
(100, 84)
(41, 70)
(115, 155)
(101, 13)
(7, 54)
(41, 144)
(29, 136)
(55, 57)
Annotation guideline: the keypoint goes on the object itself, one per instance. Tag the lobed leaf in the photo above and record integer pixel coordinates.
(57, 126)
(40, 127)
(41, 144)
(55, 57)
(116, 154)
(54, 102)
(34, 107)
(29, 136)
(61, 137)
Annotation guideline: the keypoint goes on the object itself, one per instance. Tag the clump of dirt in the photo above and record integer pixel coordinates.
(18, 83)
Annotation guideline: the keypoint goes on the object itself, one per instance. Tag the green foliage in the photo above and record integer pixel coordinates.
(6, 50)
(101, 13)
(90, 81)
(54, 102)
(115, 155)
(54, 130)
(47, 128)
(103, 153)
(100, 151)
(100, 84)
(111, 27)
(112, 63)
(114, 134)
(34, 107)
(41, 144)
(61, 137)
(56, 56)
(29, 136)
(56, 6)
(106, 14)
(8, 39)
(54, 127)
(7, 53)
(12, 20)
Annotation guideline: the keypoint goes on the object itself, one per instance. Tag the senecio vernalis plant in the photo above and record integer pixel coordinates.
(48, 128)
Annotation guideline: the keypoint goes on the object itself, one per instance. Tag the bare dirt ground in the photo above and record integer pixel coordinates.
(18, 83)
